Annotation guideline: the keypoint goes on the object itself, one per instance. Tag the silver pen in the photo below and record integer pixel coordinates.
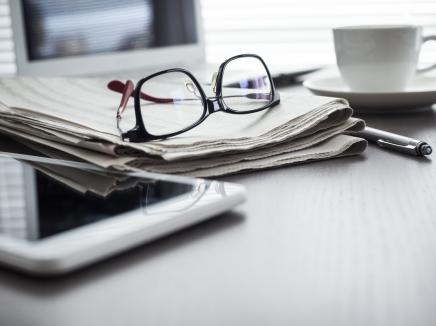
(395, 142)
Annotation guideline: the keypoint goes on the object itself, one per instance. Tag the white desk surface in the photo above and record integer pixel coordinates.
(348, 241)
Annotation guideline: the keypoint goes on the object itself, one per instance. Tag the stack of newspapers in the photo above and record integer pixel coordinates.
(75, 118)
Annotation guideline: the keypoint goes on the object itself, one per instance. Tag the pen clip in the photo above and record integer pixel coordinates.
(410, 149)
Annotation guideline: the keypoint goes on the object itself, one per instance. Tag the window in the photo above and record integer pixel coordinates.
(282, 31)
(299, 31)
(7, 56)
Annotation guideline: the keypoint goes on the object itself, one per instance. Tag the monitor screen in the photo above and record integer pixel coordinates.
(65, 28)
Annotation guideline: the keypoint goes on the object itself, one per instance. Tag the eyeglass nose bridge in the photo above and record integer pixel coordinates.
(213, 105)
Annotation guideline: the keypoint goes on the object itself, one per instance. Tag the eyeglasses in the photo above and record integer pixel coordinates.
(171, 102)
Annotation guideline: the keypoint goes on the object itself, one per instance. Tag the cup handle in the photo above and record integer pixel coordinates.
(433, 66)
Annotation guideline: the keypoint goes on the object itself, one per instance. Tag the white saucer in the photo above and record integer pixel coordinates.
(421, 93)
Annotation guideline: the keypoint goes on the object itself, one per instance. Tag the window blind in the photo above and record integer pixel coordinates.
(7, 55)
(297, 31)
(282, 31)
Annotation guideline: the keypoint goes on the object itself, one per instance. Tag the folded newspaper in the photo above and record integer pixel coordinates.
(75, 118)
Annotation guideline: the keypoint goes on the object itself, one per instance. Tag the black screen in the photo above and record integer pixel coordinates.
(64, 28)
(40, 200)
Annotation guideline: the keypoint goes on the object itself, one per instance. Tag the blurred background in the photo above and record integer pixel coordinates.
(282, 31)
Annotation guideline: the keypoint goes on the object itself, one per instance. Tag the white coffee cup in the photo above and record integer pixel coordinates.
(379, 58)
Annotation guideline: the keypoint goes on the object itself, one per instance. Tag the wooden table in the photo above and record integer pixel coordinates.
(348, 241)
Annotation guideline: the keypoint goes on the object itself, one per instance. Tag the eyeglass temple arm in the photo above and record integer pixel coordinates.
(254, 96)
(120, 87)
(127, 91)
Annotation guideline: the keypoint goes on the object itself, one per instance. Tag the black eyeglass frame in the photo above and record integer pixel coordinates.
(140, 134)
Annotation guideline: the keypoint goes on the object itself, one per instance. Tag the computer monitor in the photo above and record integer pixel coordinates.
(88, 37)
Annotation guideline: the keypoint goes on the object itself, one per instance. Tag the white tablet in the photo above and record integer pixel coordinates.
(57, 216)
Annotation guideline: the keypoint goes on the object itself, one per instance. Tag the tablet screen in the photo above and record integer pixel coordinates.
(41, 200)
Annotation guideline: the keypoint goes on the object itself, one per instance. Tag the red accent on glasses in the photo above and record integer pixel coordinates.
(127, 91)
(120, 87)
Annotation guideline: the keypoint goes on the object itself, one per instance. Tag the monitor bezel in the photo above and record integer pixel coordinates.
(102, 63)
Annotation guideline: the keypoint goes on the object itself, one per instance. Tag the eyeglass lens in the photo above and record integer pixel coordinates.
(246, 85)
(177, 105)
